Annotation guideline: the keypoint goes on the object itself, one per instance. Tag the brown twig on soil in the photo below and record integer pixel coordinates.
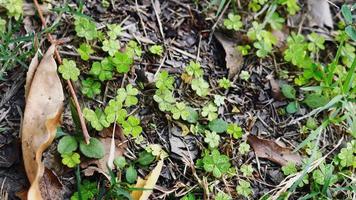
(69, 83)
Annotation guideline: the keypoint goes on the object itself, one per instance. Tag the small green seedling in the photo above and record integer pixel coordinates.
(111, 46)
(127, 96)
(246, 170)
(233, 22)
(244, 148)
(102, 70)
(225, 83)
(97, 119)
(194, 69)
(122, 61)
(114, 32)
(156, 50)
(115, 111)
(244, 188)
(85, 28)
(88, 191)
(180, 110)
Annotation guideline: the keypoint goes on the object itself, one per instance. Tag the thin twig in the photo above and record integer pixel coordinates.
(69, 83)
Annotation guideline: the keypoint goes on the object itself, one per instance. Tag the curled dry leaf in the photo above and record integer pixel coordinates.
(146, 185)
(272, 151)
(275, 89)
(320, 14)
(233, 57)
(44, 106)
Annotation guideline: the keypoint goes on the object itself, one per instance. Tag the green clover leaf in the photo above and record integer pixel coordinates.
(114, 111)
(225, 83)
(233, 22)
(71, 159)
(164, 99)
(194, 69)
(216, 163)
(115, 30)
(156, 50)
(97, 119)
(128, 95)
(180, 110)
(132, 126)
(69, 70)
(85, 28)
(90, 87)
(133, 49)
(212, 138)
(289, 169)
(244, 188)
(316, 42)
(84, 51)
(234, 130)
(244, 148)
(123, 62)
(164, 81)
(200, 86)
(111, 46)
(102, 70)
(276, 21)
(210, 111)
(246, 170)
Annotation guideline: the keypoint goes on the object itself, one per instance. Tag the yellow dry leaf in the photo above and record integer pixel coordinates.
(148, 184)
(43, 110)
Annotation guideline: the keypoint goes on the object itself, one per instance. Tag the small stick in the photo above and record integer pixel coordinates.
(69, 83)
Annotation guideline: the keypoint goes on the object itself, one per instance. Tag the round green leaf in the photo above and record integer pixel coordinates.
(292, 107)
(288, 91)
(67, 144)
(316, 100)
(131, 174)
(95, 149)
(217, 125)
(193, 115)
(145, 158)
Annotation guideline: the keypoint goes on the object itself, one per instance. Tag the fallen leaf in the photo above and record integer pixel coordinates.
(105, 138)
(30, 73)
(272, 151)
(146, 185)
(43, 110)
(233, 57)
(320, 14)
(275, 89)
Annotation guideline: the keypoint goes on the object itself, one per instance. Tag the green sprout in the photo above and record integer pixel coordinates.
(316, 42)
(244, 50)
(219, 100)
(133, 49)
(244, 75)
(69, 70)
(244, 148)
(164, 99)
(233, 22)
(132, 126)
(164, 81)
(276, 21)
(88, 190)
(222, 196)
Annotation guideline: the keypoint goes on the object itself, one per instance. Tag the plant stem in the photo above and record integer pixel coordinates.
(69, 83)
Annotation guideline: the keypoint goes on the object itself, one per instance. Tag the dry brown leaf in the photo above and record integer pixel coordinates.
(275, 89)
(44, 106)
(30, 73)
(148, 184)
(272, 151)
(320, 14)
(233, 57)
